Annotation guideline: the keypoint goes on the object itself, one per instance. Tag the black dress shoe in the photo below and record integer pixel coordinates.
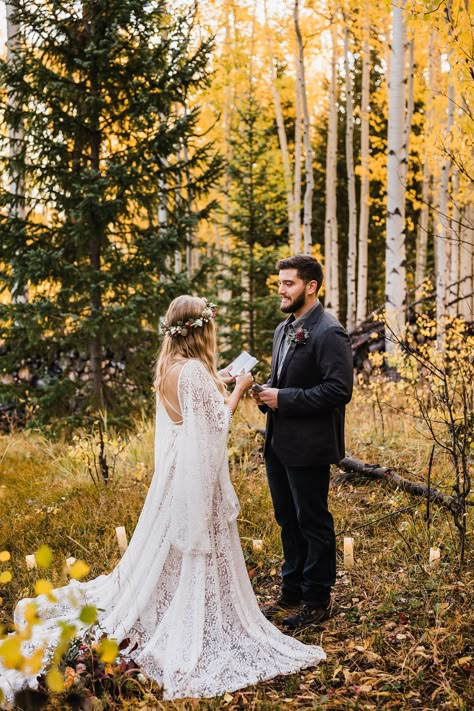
(305, 616)
(280, 605)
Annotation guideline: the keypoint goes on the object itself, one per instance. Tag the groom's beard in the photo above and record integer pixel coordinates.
(294, 305)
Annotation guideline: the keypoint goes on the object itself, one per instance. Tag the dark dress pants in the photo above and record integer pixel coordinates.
(300, 500)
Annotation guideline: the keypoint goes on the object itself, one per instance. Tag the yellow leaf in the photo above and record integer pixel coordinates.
(88, 614)
(108, 650)
(30, 613)
(10, 653)
(44, 556)
(78, 570)
(5, 577)
(464, 660)
(228, 698)
(55, 681)
(4, 556)
(33, 664)
(43, 587)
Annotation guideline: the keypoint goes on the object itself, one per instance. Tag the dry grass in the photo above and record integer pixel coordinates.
(401, 632)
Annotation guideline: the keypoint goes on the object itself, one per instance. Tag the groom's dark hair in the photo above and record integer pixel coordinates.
(307, 267)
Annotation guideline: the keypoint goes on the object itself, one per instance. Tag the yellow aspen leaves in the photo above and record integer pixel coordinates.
(4, 556)
(5, 577)
(108, 650)
(88, 614)
(31, 613)
(78, 570)
(33, 664)
(44, 556)
(43, 587)
(10, 653)
(55, 681)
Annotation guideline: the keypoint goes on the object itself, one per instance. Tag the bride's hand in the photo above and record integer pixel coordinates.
(225, 376)
(243, 381)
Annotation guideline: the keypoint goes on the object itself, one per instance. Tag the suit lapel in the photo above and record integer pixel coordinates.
(308, 325)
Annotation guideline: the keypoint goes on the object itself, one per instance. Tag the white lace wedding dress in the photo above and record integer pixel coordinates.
(181, 592)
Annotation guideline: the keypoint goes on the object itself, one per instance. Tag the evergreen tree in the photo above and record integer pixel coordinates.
(257, 225)
(112, 168)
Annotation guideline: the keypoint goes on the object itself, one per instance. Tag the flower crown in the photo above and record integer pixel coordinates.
(181, 328)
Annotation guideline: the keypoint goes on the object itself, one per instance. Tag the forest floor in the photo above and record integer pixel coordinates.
(401, 631)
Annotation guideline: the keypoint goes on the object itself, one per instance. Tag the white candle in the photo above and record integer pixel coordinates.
(70, 562)
(30, 561)
(121, 538)
(348, 552)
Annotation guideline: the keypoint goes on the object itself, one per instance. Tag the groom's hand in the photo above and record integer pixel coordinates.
(269, 397)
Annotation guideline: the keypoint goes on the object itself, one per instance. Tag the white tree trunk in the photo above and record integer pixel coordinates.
(466, 271)
(426, 194)
(308, 196)
(455, 247)
(395, 271)
(351, 189)
(285, 155)
(362, 264)
(19, 292)
(331, 244)
(297, 178)
(443, 232)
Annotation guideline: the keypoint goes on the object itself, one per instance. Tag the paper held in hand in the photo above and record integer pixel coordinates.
(244, 361)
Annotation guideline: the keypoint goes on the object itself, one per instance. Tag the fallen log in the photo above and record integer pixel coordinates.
(355, 469)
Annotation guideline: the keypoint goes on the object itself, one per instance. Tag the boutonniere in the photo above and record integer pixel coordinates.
(298, 337)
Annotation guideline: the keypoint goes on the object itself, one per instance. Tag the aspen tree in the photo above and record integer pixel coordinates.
(352, 231)
(331, 244)
(19, 290)
(362, 251)
(426, 195)
(293, 236)
(395, 268)
(308, 196)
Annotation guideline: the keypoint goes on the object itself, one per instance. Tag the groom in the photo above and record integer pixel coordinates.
(305, 398)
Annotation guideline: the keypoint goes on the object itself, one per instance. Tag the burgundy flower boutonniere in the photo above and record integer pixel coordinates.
(298, 337)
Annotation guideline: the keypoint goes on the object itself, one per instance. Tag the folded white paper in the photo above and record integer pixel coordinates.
(243, 362)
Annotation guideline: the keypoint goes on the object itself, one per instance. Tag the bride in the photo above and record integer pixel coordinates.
(181, 593)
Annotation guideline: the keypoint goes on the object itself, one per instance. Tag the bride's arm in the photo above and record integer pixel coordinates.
(242, 384)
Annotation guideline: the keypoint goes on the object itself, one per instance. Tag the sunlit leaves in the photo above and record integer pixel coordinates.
(79, 570)
(10, 653)
(43, 587)
(108, 650)
(55, 681)
(88, 614)
(44, 557)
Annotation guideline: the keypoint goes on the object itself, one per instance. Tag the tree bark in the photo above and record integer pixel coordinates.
(395, 268)
(308, 196)
(294, 240)
(19, 291)
(362, 263)
(466, 291)
(297, 178)
(426, 196)
(443, 232)
(351, 190)
(331, 242)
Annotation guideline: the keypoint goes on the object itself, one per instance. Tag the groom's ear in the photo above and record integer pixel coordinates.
(312, 287)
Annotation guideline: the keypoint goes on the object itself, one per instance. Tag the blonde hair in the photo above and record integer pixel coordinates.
(199, 342)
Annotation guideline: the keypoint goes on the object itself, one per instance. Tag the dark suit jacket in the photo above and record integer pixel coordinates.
(315, 384)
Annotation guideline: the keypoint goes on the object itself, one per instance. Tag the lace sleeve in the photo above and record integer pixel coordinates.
(201, 462)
